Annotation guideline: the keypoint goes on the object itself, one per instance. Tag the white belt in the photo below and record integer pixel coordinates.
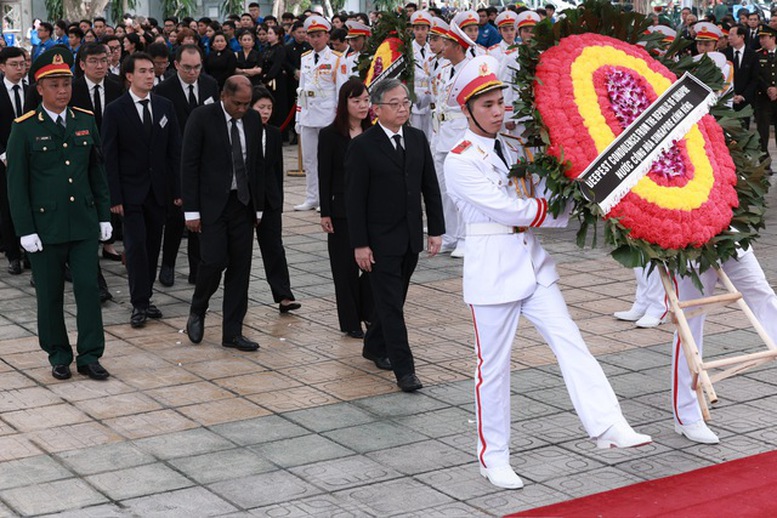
(451, 116)
(492, 229)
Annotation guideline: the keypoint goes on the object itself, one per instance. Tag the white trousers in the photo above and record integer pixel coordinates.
(749, 279)
(309, 138)
(651, 297)
(495, 327)
(454, 227)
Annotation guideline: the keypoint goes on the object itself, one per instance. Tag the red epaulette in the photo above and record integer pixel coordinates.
(464, 144)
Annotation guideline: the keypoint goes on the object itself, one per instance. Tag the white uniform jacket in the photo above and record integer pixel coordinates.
(421, 79)
(499, 267)
(319, 84)
(451, 122)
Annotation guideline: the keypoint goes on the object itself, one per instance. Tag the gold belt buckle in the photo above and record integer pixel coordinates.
(520, 230)
(311, 93)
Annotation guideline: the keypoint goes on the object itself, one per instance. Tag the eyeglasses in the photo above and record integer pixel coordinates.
(15, 64)
(115, 48)
(190, 68)
(395, 105)
(97, 61)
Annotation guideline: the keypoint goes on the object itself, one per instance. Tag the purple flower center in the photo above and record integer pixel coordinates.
(628, 101)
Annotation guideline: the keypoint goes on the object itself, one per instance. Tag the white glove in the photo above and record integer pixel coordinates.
(105, 230)
(31, 243)
(297, 128)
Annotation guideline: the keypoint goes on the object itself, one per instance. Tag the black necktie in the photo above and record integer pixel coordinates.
(472, 51)
(453, 71)
(98, 106)
(400, 149)
(147, 123)
(315, 58)
(423, 52)
(736, 58)
(192, 98)
(17, 100)
(239, 164)
(436, 63)
(61, 123)
(498, 149)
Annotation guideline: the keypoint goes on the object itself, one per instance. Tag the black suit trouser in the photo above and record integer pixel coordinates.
(226, 244)
(765, 118)
(268, 235)
(142, 240)
(387, 336)
(174, 226)
(7, 232)
(353, 293)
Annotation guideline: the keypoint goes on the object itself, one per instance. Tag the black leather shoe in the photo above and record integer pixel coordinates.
(15, 267)
(111, 256)
(61, 372)
(192, 279)
(138, 318)
(195, 328)
(409, 383)
(166, 276)
(291, 306)
(357, 333)
(153, 312)
(94, 370)
(381, 362)
(105, 295)
(26, 262)
(241, 343)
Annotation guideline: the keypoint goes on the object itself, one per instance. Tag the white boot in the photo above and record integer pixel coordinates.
(621, 435)
(503, 477)
(697, 432)
(631, 315)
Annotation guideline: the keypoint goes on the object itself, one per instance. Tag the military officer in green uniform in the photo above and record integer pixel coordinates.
(765, 107)
(60, 207)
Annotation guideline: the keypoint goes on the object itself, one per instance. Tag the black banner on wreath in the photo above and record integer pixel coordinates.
(630, 156)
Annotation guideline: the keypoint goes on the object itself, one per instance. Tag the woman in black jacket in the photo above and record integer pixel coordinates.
(221, 62)
(268, 231)
(274, 74)
(352, 290)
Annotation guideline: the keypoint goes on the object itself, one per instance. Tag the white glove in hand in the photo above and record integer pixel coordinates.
(106, 230)
(297, 129)
(31, 243)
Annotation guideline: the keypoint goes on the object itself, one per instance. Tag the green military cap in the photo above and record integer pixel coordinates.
(55, 62)
(765, 30)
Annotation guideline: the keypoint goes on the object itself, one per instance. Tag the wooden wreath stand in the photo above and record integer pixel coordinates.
(299, 171)
(681, 311)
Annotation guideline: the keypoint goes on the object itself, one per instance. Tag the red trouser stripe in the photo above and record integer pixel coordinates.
(479, 382)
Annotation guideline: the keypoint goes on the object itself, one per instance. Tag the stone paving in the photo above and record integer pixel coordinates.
(306, 427)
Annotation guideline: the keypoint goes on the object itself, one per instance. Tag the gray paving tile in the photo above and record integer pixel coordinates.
(439, 423)
(258, 430)
(523, 407)
(322, 505)
(612, 456)
(32, 470)
(107, 457)
(184, 444)
(458, 393)
(222, 465)
(553, 428)
(184, 503)
(550, 462)
(334, 475)
(396, 497)
(577, 485)
(421, 457)
(663, 465)
(373, 436)
(637, 413)
(399, 404)
(555, 397)
(637, 359)
(729, 448)
(455, 510)
(51, 497)
(744, 418)
(297, 451)
(95, 511)
(459, 482)
(264, 489)
(5, 512)
(138, 481)
(633, 384)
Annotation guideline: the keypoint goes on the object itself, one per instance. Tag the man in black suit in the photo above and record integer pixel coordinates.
(745, 63)
(223, 198)
(752, 38)
(388, 169)
(13, 67)
(142, 148)
(186, 89)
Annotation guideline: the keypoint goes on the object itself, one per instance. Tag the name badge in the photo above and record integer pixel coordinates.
(209, 100)
(81, 133)
(163, 121)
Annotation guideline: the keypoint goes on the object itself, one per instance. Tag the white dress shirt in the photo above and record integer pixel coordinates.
(139, 107)
(90, 86)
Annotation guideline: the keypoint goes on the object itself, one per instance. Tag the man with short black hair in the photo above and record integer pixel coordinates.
(187, 89)
(74, 38)
(168, 25)
(255, 11)
(488, 36)
(45, 30)
(388, 172)
(142, 149)
(161, 56)
(99, 27)
(114, 55)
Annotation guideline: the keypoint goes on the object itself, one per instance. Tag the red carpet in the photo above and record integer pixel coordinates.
(739, 488)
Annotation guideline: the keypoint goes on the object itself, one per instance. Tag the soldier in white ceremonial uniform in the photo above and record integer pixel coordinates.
(420, 118)
(507, 274)
(506, 52)
(467, 21)
(436, 63)
(322, 72)
(451, 124)
(356, 39)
